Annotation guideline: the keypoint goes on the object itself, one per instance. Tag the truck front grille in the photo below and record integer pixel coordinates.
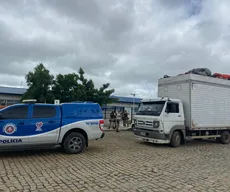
(144, 123)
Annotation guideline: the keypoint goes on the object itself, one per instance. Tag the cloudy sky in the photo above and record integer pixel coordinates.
(129, 43)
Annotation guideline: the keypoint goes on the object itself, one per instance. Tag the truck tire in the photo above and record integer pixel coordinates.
(175, 139)
(74, 143)
(225, 137)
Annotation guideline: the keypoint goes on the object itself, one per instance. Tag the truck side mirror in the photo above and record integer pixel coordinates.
(166, 110)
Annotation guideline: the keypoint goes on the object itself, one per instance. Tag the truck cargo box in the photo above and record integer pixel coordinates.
(206, 100)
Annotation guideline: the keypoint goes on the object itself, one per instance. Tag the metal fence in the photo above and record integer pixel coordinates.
(108, 109)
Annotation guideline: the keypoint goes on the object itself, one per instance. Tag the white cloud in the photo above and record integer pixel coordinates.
(129, 43)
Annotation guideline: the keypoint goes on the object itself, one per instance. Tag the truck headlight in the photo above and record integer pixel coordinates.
(156, 124)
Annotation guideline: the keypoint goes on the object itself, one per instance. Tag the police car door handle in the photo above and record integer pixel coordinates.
(51, 121)
(21, 123)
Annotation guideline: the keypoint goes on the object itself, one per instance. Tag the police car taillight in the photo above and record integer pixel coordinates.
(101, 125)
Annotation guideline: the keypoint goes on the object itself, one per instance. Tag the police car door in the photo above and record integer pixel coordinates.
(14, 128)
(45, 124)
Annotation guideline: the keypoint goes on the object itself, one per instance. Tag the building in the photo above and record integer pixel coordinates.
(11, 95)
(125, 101)
(122, 103)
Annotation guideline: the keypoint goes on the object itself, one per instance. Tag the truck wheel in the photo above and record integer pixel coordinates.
(225, 137)
(175, 139)
(74, 143)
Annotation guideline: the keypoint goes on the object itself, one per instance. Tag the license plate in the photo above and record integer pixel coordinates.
(142, 134)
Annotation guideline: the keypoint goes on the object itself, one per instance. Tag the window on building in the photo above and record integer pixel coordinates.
(16, 112)
(44, 111)
(8, 102)
(3, 102)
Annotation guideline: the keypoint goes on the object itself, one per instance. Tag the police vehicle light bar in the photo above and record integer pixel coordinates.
(29, 101)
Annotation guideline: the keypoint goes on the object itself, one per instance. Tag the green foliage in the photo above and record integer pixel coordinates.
(66, 88)
(39, 82)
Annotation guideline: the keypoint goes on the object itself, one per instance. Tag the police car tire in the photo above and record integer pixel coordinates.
(66, 143)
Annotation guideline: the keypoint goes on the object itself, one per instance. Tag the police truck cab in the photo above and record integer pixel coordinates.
(34, 125)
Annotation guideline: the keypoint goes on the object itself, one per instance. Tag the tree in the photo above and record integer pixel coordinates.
(103, 95)
(75, 87)
(39, 82)
(66, 88)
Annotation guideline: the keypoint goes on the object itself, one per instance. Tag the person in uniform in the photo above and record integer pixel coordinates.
(112, 120)
(125, 118)
(119, 118)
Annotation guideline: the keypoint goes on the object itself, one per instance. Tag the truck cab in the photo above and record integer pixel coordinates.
(160, 121)
(37, 125)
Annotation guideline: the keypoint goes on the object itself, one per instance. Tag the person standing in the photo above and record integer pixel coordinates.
(125, 118)
(112, 119)
(118, 119)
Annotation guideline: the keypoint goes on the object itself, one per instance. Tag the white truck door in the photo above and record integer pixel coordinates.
(172, 116)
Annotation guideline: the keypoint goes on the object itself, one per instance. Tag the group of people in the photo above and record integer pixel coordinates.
(115, 119)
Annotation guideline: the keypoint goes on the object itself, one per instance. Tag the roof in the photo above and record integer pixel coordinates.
(12, 90)
(126, 99)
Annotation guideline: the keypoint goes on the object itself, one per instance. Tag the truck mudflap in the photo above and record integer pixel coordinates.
(151, 140)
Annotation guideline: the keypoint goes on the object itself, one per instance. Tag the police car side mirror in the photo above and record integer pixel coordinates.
(1, 116)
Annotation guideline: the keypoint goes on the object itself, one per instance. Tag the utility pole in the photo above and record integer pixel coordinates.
(133, 94)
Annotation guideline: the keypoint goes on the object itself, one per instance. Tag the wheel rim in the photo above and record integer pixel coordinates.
(226, 137)
(177, 139)
(75, 143)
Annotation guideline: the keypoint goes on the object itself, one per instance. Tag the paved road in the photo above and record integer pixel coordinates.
(119, 163)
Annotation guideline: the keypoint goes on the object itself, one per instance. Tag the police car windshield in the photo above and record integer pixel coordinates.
(151, 108)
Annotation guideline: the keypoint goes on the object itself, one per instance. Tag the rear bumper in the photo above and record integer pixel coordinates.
(151, 136)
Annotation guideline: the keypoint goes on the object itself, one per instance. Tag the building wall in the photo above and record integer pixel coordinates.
(123, 104)
(107, 110)
(8, 99)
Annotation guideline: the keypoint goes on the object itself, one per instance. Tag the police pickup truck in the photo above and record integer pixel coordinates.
(34, 125)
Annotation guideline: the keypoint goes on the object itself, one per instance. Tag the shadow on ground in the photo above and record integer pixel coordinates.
(191, 143)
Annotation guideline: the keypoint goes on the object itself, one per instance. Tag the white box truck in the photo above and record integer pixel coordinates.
(188, 107)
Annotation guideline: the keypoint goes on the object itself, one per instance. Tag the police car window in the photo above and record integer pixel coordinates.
(19, 112)
(44, 112)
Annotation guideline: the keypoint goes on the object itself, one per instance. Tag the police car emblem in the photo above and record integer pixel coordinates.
(39, 126)
(9, 128)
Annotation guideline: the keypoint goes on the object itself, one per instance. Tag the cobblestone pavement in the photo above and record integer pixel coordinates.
(119, 163)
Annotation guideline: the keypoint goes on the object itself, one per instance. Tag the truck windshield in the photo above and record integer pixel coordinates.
(151, 108)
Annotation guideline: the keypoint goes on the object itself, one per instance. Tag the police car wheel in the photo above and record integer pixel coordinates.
(74, 143)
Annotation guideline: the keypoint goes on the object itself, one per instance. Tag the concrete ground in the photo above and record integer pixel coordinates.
(118, 162)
